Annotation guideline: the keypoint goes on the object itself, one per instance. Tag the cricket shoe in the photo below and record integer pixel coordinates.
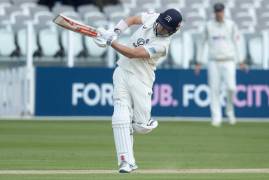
(232, 120)
(134, 167)
(126, 167)
(153, 123)
(216, 123)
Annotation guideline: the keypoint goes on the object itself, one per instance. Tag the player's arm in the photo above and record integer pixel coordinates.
(201, 50)
(236, 40)
(145, 52)
(133, 20)
(138, 52)
(125, 23)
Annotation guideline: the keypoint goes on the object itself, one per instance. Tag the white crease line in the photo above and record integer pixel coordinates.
(144, 171)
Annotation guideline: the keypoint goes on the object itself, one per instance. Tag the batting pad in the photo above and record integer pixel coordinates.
(122, 136)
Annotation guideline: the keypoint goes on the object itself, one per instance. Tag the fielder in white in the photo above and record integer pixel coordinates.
(222, 37)
(133, 78)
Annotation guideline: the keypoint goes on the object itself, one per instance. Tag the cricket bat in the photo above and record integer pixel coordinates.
(75, 26)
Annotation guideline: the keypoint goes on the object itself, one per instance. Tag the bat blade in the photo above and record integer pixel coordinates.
(75, 26)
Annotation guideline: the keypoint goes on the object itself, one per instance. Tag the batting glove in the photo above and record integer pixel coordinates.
(109, 36)
(105, 37)
(99, 40)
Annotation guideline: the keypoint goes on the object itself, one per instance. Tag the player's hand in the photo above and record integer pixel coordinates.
(244, 67)
(109, 36)
(99, 41)
(197, 69)
(105, 37)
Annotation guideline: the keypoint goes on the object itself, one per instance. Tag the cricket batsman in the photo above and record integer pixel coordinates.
(134, 76)
(222, 37)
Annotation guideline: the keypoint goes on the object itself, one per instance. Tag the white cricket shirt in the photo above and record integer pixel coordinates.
(223, 41)
(157, 47)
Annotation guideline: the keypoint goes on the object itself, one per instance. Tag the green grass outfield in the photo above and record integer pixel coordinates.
(88, 145)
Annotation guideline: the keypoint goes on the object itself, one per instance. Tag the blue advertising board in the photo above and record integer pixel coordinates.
(88, 92)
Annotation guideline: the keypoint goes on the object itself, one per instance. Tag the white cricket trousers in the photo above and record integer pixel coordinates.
(218, 73)
(132, 102)
(130, 91)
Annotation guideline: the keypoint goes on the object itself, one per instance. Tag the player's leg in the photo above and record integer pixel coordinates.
(214, 84)
(121, 121)
(141, 96)
(133, 163)
(230, 83)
